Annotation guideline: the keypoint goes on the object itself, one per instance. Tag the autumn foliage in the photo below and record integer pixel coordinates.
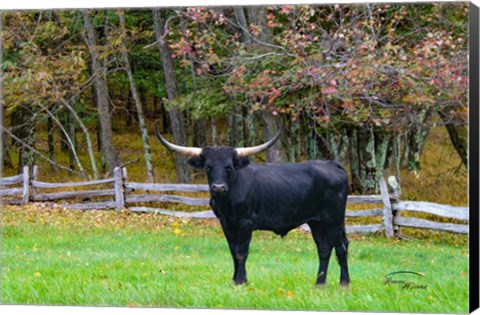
(361, 83)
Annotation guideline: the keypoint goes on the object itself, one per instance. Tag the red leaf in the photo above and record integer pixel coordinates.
(329, 90)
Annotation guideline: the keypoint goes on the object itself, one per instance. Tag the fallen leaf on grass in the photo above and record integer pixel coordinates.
(288, 294)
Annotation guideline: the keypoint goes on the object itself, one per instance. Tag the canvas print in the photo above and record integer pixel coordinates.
(277, 157)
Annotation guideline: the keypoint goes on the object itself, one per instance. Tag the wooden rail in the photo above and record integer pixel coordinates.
(427, 224)
(15, 192)
(73, 194)
(11, 180)
(168, 198)
(122, 194)
(38, 184)
(167, 187)
(459, 213)
(11, 192)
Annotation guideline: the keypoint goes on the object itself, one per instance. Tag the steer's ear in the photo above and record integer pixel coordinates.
(197, 162)
(241, 162)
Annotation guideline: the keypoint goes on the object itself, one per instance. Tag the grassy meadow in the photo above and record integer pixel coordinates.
(60, 257)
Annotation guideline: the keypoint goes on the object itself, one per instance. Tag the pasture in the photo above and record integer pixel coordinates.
(393, 116)
(60, 257)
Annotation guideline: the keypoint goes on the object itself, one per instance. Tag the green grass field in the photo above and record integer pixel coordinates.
(59, 257)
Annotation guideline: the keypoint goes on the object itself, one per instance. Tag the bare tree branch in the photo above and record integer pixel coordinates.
(87, 136)
(161, 39)
(69, 140)
(25, 145)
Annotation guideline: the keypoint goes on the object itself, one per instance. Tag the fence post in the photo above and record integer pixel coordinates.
(395, 187)
(119, 197)
(397, 193)
(26, 186)
(35, 178)
(124, 173)
(387, 208)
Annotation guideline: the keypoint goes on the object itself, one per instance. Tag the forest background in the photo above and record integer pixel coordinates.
(367, 84)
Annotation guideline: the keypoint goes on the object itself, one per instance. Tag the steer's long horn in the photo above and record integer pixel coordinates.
(259, 148)
(189, 151)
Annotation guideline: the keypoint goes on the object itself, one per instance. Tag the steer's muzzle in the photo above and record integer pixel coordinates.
(218, 188)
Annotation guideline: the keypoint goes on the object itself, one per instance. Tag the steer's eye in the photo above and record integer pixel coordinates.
(228, 169)
(208, 169)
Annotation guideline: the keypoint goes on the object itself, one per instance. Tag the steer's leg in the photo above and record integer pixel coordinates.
(339, 240)
(244, 236)
(324, 250)
(231, 236)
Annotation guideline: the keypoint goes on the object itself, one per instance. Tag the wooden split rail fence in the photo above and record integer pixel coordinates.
(121, 194)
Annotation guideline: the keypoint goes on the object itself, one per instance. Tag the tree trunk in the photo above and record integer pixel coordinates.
(458, 133)
(311, 142)
(332, 145)
(250, 128)
(343, 149)
(235, 128)
(143, 97)
(155, 105)
(176, 118)
(75, 116)
(417, 135)
(128, 108)
(382, 144)
(355, 183)
(25, 130)
(326, 143)
(338, 149)
(73, 138)
(199, 133)
(364, 169)
(51, 141)
(165, 118)
(294, 142)
(394, 154)
(213, 130)
(5, 155)
(368, 166)
(136, 99)
(257, 15)
(242, 22)
(63, 137)
(406, 150)
(276, 153)
(101, 96)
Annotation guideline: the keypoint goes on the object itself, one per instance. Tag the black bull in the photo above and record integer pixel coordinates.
(274, 197)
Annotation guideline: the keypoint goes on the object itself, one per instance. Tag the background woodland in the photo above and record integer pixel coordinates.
(362, 83)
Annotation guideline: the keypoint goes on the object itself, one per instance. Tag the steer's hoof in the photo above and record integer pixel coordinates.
(240, 282)
(320, 284)
(344, 283)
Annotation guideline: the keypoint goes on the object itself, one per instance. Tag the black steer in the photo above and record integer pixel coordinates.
(275, 197)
